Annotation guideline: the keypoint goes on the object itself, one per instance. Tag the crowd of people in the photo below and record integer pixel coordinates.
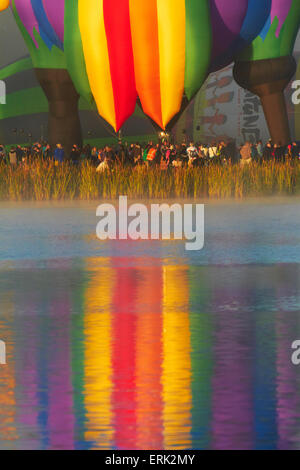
(164, 154)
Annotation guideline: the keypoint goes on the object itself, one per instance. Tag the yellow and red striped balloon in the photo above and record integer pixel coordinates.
(106, 38)
(137, 48)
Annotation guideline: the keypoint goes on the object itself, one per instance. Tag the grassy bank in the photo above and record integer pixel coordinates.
(44, 181)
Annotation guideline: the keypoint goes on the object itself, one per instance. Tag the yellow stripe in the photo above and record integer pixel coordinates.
(98, 348)
(92, 29)
(172, 38)
(177, 374)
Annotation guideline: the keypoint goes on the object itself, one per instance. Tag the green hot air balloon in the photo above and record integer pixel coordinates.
(267, 65)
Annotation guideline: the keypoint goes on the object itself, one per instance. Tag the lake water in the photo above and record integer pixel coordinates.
(143, 345)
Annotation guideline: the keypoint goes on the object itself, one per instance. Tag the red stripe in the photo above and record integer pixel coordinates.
(119, 42)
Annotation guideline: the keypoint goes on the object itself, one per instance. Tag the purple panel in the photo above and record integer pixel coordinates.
(27, 17)
(227, 17)
(55, 10)
(280, 9)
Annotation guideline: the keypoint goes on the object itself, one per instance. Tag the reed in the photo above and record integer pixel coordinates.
(41, 181)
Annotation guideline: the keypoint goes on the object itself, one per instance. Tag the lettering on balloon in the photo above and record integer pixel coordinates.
(251, 110)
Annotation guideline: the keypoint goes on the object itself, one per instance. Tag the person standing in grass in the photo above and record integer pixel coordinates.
(59, 154)
(152, 155)
(2, 154)
(246, 153)
(294, 150)
(13, 157)
(75, 155)
(146, 150)
(279, 152)
(268, 151)
(260, 150)
(192, 154)
(212, 151)
(254, 154)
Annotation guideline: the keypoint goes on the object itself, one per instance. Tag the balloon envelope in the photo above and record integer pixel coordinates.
(157, 51)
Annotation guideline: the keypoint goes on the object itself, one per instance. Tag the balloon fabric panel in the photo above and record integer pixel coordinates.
(118, 33)
(146, 57)
(198, 45)
(159, 51)
(93, 34)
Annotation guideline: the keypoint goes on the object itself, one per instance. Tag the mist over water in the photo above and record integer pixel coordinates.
(143, 345)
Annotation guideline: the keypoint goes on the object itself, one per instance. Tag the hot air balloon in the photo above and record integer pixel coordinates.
(156, 53)
(267, 65)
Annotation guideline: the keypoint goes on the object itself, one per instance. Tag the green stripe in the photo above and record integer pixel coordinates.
(290, 29)
(198, 45)
(16, 67)
(74, 51)
(29, 101)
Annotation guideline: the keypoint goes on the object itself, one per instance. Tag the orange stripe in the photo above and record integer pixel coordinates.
(144, 30)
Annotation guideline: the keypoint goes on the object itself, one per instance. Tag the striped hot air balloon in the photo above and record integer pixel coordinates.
(156, 52)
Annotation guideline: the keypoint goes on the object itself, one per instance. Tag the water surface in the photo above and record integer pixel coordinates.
(143, 345)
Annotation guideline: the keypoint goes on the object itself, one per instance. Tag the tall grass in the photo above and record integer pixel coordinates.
(45, 181)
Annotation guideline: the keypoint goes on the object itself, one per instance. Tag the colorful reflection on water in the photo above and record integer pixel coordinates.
(105, 355)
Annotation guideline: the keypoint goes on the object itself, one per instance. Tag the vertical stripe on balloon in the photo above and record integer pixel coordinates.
(117, 27)
(73, 50)
(198, 45)
(94, 40)
(172, 43)
(107, 45)
(144, 30)
(158, 34)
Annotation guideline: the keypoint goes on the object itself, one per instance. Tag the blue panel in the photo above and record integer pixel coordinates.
(257, 15)
(265, 30)
(47, 33)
